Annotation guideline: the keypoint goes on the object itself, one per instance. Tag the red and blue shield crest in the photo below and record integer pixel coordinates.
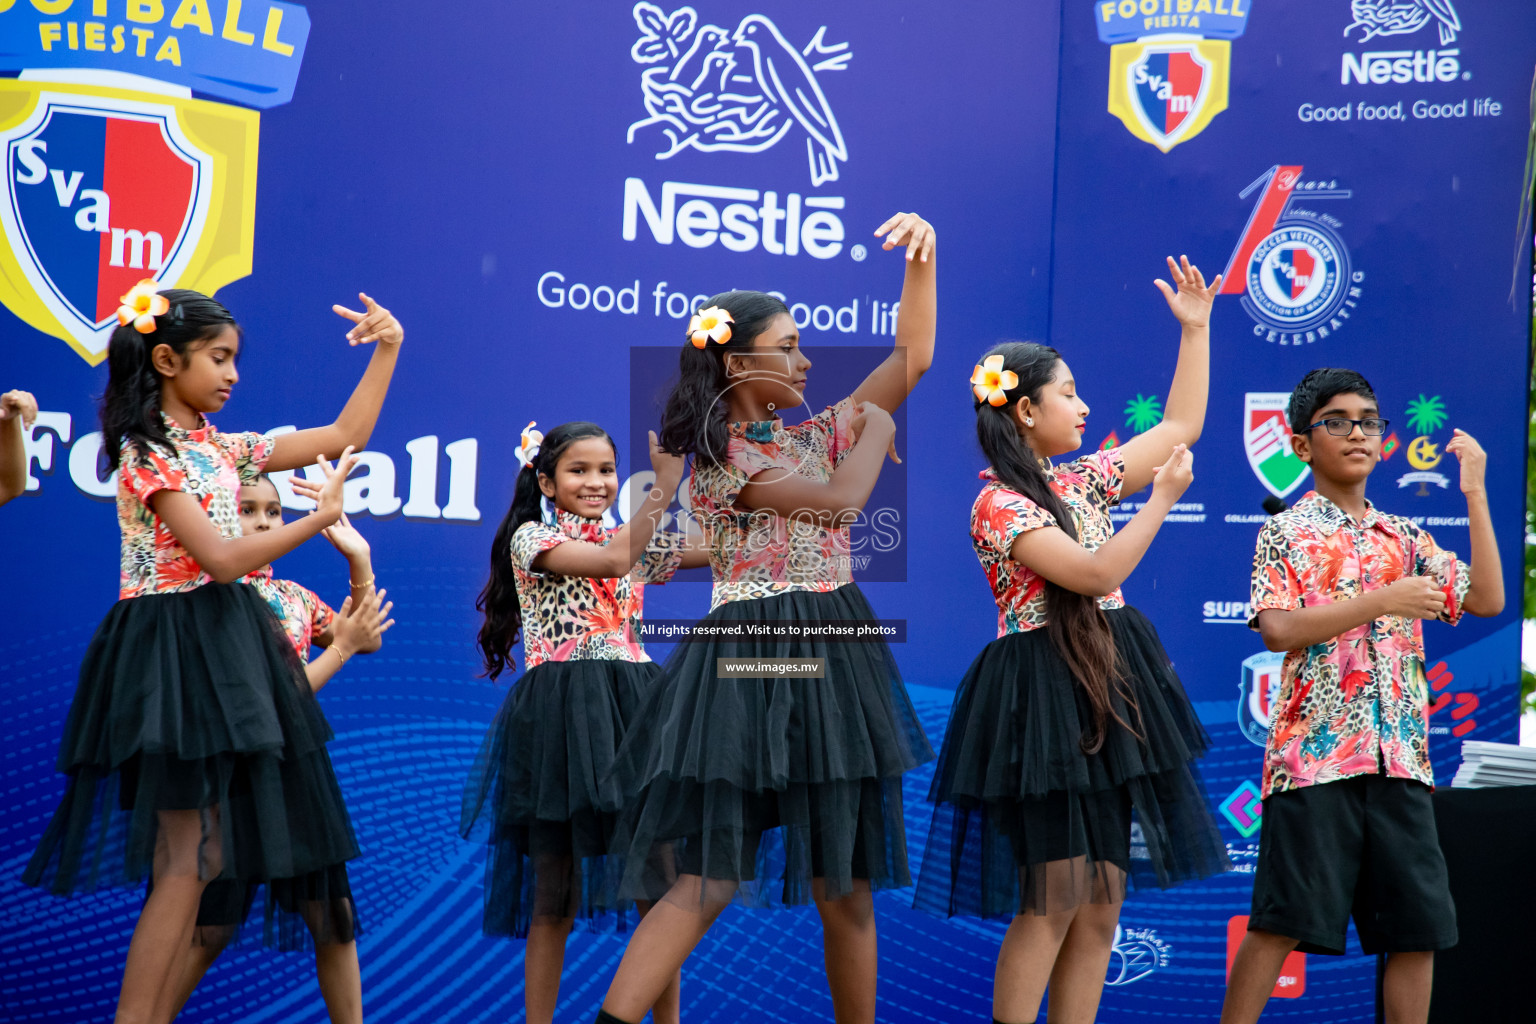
(1168, 88)
(100, 194)
(1167, 91)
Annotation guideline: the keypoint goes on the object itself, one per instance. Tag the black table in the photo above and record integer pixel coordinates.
(1489, 840)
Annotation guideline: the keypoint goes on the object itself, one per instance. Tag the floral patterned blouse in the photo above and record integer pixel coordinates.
(1356, 704)
(755, 554)
(303, 614)
(1088, 487)
(572, 618)
(210, 466)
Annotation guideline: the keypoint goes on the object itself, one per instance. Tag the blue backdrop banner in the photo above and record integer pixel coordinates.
(544, 192)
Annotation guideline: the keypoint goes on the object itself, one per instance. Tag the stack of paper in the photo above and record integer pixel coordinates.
(1495, 764)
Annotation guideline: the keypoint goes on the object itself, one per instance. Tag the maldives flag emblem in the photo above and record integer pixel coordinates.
(1267, 440)
(107, 187)
(1167, 92)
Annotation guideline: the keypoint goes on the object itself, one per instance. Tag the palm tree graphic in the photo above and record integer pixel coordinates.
(1426, 415)
(1143, 412)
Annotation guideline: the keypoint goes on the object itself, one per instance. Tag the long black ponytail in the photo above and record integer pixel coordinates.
(1076, 624)
(130, 407)
(694, 421)
(503, 616)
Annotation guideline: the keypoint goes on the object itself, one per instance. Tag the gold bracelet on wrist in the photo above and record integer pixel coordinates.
(338, 653)
(366, 583)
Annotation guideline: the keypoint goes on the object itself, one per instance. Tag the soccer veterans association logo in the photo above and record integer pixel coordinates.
(1290, 266)
(114, 173)
(1169, 63)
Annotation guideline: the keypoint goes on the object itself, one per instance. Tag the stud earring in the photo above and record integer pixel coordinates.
(771, 407)
(1029, 421)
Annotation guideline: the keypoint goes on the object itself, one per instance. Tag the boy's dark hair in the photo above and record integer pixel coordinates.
(1317, 387)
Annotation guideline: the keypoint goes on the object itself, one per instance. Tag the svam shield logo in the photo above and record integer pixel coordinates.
(1257, 691)
(103, 191)
(1267, 441)
(1167, 92)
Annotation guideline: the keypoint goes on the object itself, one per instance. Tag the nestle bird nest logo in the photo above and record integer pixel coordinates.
(739, 90)
(1403, 17)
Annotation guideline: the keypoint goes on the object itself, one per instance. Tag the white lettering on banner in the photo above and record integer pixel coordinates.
(1378, 67)
(40, 449)
(372, 490)
(738, 225)
(1235, 613)
(554, 293)
(94, 215)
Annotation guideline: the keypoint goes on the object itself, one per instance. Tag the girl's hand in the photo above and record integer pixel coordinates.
(360, 626)
(910, 230)
(1172, 478)
(668, 468)
(346, 539)
(1191, 304)
(376, 324)
(328, 496)
(18, 403)
(1474, 461)
(870, 414)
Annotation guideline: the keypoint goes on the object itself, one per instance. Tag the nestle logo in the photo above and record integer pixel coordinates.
(740, 222)
(1377, 67)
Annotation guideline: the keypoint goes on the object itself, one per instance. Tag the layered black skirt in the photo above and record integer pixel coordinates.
(1026, 822)
(544, 794)
(749, 787)
(194, 701)
(297, 913)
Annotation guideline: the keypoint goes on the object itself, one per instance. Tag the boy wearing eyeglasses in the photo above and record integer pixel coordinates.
(1348, 828)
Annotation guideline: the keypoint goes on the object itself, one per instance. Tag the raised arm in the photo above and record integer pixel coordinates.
(1066, 563)
(228, 559)
(354, 426)
(17, 411)
(628, 543)
(838, 501)
(1485, 592)
(354, 547)
(1184, 415)
(912, 352)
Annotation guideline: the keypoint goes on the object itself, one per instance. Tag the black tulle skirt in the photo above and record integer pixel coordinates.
(193, 701)
(1026, 822)
(297, 913)
(544, 794)
(752, 787)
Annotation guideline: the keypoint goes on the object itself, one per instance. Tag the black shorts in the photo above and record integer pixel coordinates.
(1365, 847)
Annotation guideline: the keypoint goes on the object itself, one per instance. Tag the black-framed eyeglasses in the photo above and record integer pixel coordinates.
(1338, 426)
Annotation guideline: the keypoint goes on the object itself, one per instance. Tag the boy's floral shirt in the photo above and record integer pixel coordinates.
(570, 618)
(210, 466)
(1088, 487)
(755, 554)
(1356, 704)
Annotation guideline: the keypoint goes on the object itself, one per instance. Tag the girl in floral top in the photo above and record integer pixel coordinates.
(572, 590)
(357, 628)
(194, 748)
(1072, 720)
(758, 774)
